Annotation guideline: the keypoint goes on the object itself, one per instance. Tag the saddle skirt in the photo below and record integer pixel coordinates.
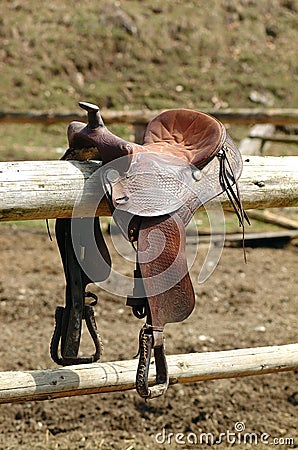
(153, 190)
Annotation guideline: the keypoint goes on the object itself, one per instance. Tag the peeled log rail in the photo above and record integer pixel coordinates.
(50, 189)
(241, 116)
(20, 386)
(274, 219)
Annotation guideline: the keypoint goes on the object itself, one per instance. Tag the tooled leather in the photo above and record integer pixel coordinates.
(163, 265)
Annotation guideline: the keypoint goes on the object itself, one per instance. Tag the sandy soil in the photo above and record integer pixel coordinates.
(238, 306)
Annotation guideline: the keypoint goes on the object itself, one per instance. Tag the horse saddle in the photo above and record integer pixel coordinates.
(187, 158)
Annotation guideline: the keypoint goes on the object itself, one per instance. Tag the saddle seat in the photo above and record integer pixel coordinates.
(191, 135)
(188, 134)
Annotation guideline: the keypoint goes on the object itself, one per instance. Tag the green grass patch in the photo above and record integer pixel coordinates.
(133, 54)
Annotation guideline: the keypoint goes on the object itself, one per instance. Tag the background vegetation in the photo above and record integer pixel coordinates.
(144, 53)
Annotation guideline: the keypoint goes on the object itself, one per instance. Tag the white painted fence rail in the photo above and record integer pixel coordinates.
(20, 386)
(49, 189)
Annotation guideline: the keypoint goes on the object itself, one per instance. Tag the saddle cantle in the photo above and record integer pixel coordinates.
(153, 190)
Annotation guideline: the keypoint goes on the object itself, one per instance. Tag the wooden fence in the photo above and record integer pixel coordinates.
(20, 386)
(244, 116)
(48, 189)
(140, 118)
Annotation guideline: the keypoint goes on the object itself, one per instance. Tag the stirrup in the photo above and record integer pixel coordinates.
(146, 343)
(70, 342)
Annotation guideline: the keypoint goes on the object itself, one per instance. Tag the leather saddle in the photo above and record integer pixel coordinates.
(153, 190)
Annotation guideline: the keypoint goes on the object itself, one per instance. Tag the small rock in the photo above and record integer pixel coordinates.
(260, 328)
(204, 338)
(80, 79)
(265, 98)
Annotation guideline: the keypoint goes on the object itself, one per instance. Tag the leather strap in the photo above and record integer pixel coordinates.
(67, 332)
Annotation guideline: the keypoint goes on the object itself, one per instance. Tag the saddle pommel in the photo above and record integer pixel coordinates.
(94, 140)
(94, 117)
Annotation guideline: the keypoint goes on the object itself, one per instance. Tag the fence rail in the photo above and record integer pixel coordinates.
(244, 116)
(20, 386)
(50, 189)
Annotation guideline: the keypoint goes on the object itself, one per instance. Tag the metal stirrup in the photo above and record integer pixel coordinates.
(68, 355)
(146, 343)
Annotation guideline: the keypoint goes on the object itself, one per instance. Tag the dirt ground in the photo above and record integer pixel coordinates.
(238, 306)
